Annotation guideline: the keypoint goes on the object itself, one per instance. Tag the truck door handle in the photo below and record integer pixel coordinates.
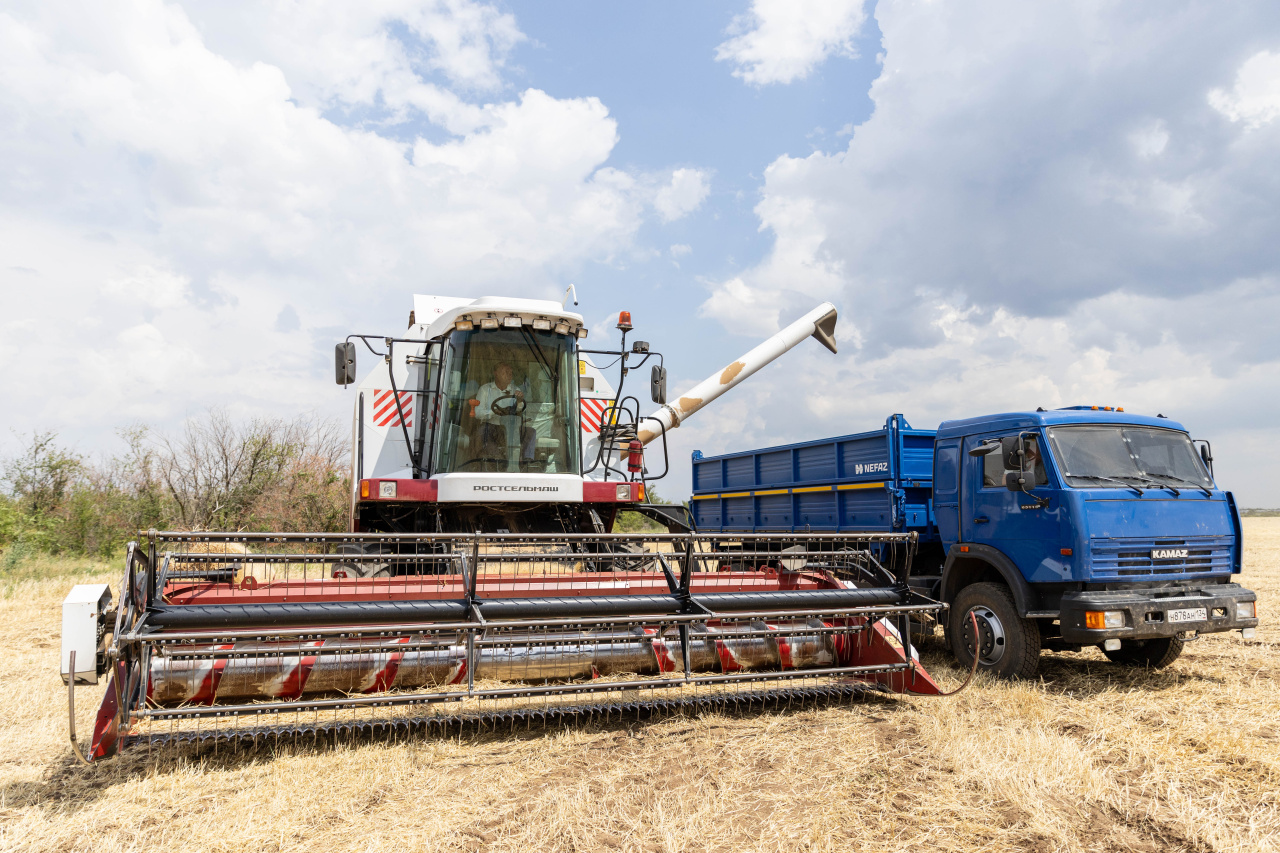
(982, 519)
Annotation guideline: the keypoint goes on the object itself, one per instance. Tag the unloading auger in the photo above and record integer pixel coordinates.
(249, 637)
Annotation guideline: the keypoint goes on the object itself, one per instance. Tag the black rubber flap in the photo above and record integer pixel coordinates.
(817, 600)
(579, 607)
(194, 617)
(207, 616)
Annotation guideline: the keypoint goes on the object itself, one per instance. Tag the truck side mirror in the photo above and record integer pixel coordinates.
(1206, 455)
(1014, 481)
(991, 445)
(1011, 448)
(344, 363)
(658, 384)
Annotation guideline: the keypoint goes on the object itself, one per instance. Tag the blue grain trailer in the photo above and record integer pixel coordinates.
(1052, 530)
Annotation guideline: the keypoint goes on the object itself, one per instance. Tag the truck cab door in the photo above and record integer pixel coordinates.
(1009, 521)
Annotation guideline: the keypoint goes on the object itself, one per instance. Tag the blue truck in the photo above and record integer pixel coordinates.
(1083, 526)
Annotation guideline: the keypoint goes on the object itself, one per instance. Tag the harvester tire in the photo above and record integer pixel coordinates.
(1157, 653)
(1008, 645)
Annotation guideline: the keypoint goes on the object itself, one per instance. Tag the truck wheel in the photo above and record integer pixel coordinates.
(1157, 653)
(1008, 645)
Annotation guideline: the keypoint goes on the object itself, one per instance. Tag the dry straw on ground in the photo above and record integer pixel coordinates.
(1091, 757)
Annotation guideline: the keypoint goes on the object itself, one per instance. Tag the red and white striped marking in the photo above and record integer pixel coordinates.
(593, 413)
(385, 412)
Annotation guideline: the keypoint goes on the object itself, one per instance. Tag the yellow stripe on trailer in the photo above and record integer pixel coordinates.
(764, 492)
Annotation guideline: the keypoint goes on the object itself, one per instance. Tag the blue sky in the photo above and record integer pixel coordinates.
(1013, 205)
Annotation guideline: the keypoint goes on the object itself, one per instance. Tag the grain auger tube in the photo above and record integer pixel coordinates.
(249, 637)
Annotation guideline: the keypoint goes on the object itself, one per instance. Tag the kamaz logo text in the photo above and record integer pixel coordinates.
(1169, 554)
(871, 468)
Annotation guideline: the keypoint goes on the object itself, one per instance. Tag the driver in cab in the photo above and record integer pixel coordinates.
(501, 403)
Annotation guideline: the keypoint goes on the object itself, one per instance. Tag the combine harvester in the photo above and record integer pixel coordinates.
(480, 581)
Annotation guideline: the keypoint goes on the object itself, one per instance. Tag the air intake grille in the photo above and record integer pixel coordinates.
(1132, 558)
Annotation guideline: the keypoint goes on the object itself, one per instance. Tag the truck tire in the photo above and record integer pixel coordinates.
(1157, 653)
(1009, 646)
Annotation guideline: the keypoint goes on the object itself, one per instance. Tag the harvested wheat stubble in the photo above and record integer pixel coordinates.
(1091, 757)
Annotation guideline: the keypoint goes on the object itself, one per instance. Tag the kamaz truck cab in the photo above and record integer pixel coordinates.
(1082, 526)
(1056, 530)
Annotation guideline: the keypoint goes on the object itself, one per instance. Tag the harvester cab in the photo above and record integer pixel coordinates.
(479, 583)
(492, 415)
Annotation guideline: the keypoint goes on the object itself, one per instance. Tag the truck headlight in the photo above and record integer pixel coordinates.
(1246, 610)
(624, 493)
(387, 489)
(1098, 620)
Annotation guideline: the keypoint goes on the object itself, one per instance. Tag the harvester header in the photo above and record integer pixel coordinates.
(479, 581)
(248, 637)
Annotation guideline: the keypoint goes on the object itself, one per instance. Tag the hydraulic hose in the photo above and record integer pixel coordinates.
(974, 669)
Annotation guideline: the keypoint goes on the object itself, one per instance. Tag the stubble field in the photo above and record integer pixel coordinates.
(1090, 757)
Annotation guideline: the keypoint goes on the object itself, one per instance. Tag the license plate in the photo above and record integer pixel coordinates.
(1193, 614)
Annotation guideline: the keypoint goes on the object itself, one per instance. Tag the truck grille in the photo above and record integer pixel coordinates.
(1131, 558)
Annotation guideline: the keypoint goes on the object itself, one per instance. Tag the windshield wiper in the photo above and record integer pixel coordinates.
(1207, 492)
(537, 352)
(1137, 489)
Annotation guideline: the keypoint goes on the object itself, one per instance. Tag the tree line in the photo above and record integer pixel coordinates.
(213, 474)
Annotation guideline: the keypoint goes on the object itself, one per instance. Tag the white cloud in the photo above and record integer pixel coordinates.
(1255, 98)
(195, 193)
(680, 250)
(1032, 216)
(1150, 139)
(742, 308)
(1145, 353)
(344, 55)
(684, 194)
(779, 41)
(150, 287)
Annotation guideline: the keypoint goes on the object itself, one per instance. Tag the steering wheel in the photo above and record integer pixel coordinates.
(517, 406)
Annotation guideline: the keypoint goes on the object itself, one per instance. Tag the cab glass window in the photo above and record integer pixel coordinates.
(1118, 457)
(509, 402)
(998, 463)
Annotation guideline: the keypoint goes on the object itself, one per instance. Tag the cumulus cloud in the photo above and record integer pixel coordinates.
(684, 194)
(1033, 217)
(778, 41)
(1255, 97)
(205, 198)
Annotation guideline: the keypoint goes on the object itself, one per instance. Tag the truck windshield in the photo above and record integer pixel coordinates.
(510, 403)
(1118, 457)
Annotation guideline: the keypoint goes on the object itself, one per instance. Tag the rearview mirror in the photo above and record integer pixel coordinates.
(344, 363)
(991, 445)
(1206, 455)
(1013, 481)
(658, 384)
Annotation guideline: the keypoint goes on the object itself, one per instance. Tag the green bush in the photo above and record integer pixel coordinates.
(265, 474)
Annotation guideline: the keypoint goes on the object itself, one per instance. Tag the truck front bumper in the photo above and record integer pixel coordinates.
(1149, 613)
